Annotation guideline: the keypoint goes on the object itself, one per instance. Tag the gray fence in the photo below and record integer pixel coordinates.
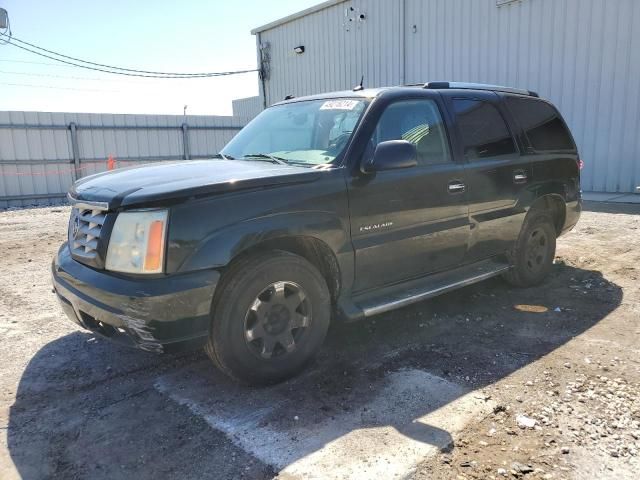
(42, 154)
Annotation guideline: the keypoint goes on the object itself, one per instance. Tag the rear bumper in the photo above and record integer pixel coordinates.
(167, 314)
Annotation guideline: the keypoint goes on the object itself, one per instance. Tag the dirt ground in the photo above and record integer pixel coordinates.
(557, 368)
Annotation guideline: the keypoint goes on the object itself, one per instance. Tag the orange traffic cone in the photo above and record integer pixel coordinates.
(111, 163)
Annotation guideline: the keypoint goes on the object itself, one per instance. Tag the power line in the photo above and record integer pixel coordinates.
(108, 66)
(217, 74)
(132, 82)
(110, 69)
(68, 77)
(35, 63)
(56, 88)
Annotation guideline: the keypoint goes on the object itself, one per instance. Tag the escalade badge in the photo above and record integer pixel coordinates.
(376, 226)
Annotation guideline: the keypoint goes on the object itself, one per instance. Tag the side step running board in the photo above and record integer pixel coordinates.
(402, 295)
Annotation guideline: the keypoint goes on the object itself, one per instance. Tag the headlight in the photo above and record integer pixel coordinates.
(137, 242)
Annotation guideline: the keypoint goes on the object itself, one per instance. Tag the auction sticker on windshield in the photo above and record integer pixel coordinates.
(339, 105)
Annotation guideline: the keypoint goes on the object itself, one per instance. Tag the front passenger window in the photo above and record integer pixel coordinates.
(418, 122)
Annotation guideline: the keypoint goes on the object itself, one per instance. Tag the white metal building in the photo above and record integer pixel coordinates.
(247, 108)
(584, 55)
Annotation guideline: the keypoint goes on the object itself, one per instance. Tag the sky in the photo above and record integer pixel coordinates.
(154, 35)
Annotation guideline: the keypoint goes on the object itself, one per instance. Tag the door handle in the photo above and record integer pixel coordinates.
(456, 186)
(520, 176)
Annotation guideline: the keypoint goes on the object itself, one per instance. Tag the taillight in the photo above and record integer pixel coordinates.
(580, 163)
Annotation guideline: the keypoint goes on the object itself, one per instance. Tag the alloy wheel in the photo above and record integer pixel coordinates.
(277, 319)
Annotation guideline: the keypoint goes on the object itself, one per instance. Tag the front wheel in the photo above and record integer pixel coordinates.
(533, 254)
(269, 319)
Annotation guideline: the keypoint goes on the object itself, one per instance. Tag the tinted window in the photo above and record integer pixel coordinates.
(542, 124)
(418, 122)
(484, 132)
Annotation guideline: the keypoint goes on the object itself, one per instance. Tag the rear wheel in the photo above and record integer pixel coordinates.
(532, 257)
(270, 317)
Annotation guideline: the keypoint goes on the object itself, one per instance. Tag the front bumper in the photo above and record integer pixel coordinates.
(166, 314)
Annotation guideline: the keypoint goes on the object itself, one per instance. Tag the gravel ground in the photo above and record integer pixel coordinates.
(559, 365)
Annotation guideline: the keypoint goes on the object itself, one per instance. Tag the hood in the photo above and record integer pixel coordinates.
(176, 180)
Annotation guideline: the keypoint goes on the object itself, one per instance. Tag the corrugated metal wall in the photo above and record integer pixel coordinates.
(584, 55)
(247, 107)
(42, 154)
(339, 49)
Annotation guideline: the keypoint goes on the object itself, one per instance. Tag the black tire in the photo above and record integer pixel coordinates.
(254, 308)
(533, 254)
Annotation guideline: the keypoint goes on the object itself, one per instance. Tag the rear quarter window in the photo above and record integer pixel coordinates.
(542, 125)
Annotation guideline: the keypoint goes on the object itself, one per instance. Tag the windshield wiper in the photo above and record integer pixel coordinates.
(223, 156)
(267, 157)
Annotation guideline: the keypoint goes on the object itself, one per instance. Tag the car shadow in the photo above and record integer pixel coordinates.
(88, 408)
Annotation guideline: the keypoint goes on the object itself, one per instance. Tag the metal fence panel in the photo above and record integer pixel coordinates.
(42, 154)
(207, 132)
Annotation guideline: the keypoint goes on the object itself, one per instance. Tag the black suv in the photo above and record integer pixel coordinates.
(343, 205)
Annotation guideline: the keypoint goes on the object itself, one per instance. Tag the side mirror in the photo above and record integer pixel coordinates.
(391, 155)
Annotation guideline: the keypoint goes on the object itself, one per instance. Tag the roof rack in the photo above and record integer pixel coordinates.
(478, 86)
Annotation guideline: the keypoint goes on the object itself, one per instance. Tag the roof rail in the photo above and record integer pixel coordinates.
(478, 86)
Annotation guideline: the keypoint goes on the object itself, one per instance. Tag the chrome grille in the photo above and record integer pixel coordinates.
(85, 227)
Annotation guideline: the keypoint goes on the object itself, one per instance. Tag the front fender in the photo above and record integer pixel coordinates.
(221, 246)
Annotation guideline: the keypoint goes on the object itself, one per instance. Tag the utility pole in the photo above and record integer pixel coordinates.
(5, 26)
(184, 110)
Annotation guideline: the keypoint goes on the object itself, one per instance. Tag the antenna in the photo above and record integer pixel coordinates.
(360, 87)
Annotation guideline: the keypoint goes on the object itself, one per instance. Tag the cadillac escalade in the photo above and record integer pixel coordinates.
(330, 207)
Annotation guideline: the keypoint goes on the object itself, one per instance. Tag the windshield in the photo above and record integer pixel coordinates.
(309, 133)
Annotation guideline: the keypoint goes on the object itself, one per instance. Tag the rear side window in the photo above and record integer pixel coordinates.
(542, 124)
(484, 131)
